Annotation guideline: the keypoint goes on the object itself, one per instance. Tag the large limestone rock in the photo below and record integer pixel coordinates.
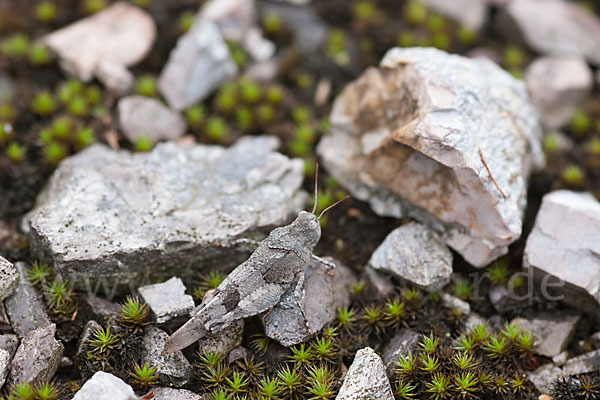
(557, 27)
(120, 35)
(366, 378)
(196, 66)
(558, 86)
(415, 254)
(447, 140)
(564, 245)
(115, 216)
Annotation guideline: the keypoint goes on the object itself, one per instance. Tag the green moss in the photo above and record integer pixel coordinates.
(15, 46)
(62, 127)
(146, 86)
(185, 21)
(67, 90)
(271, 23)
(336, 47)
(143, 144)
(466, 35)
(581, 122)
(551, 143)
(93, 6)
(441, 41)
(226, 99)
(407, 39)
(592, 147)
(250, 91)
(54, 152)
(244, 118)
(195, 115)
(134, 313)
(39, 55)
(142, 3)
(274, 95)
(85, 137)
(16, 152)
(7, 113)
(45, 11)
(44, 103)
(93, 95)
(436, 23)
(265, 114)
(144, 375)
(416, 12)
(513, 57)
(573, 176)
(238, 54)
(216, 128)
(78, 106)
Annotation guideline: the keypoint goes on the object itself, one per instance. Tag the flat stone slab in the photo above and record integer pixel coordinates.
(115, 216)
(121, 34)
(366, 378)
(25, 307)
(415, 254)
(564, 247)
(168, 301)
(422, 135)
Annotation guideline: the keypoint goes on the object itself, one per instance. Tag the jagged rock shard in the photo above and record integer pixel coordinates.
(366, 379)
(415, 254)
(196, 66)
(558, 86)
(9, 278)
(113, 216)
(417, 135)
(567, 251)
(37, 358)
(144, 116)
(104, 386)
(120, 34)
(168, 302)
(557, 27)
(173, 369)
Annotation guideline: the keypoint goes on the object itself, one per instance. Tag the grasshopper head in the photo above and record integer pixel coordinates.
(307, 229)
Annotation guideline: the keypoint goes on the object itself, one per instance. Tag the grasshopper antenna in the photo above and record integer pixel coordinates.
(316, 186)
(333, 205)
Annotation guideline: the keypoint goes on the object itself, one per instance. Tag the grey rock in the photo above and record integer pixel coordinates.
(5, 359)
(409, 136)
(9, 278)
(561, 358)
(37, 358)
(544, 377)
(485, 52)
(115, 77)
(310, 31)
(405, 342)
(120, 34)
(454, 303)
(588, 362)
(104, 386)
(323, 293)
(379, 282)
(565, 257)
(366, 379)
(237, 21)
(65, 362)
(557, 27)
(168, 302)
(415, 254)
(563, 142)
(225, 341)
(173, 369)
(24, 307)
(470, 13)
(552, 332)
(110, 217)
(558, 86)
(144, 116)
(165, 393)
(474, 319)
(103, 309)
(594, 339)
(196, 66)
(502, 300)
(83, 346)
(9, 343)
(239, 353)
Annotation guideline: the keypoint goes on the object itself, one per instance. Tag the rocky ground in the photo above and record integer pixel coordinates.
(147, 147)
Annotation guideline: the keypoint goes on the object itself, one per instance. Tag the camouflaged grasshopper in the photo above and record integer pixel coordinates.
(257, 284)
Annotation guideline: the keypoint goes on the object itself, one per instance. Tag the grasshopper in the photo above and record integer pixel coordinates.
(257, 284)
